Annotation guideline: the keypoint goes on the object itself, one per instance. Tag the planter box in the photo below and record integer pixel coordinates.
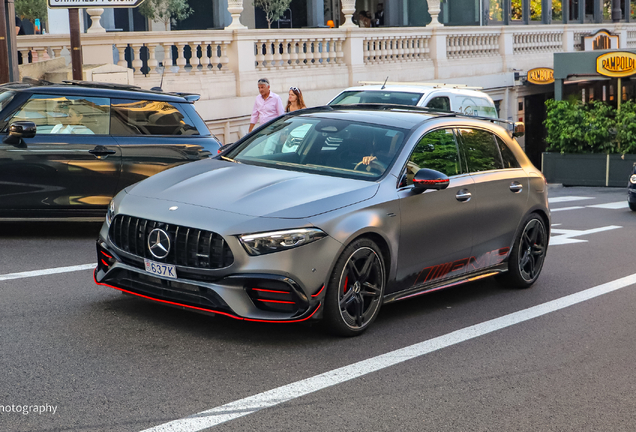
(587, 169)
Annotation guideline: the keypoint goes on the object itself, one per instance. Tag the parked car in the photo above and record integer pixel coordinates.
(631, 190)
(67, 149)
(373, 205)
(441, 97)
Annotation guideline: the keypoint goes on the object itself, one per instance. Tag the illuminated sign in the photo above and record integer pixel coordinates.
(541, 76)
(616, 64)
(601, 40)
(93, 3)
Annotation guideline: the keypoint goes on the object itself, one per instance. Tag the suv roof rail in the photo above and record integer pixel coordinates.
(96, 84)
(434, 85)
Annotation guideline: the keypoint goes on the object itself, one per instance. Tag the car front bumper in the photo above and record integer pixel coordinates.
(285, 286)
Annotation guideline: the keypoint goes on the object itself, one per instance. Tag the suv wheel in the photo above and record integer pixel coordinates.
(355, 289)
(528, 253)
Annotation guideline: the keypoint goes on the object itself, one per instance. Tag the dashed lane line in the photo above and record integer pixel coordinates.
(567, 199)
(565, 209)
(45, 272)
(233, 410)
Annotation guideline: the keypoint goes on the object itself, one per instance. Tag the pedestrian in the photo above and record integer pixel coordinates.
(295, 101)
(267, 105)
(379, 15)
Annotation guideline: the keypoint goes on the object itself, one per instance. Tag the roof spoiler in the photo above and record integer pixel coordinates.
(190, 97)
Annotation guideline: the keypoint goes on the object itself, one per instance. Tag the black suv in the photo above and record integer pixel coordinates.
(67, 149)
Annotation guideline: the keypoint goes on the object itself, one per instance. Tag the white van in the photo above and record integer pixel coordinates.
(443, 97)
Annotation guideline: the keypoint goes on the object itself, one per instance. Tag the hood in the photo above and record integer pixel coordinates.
(253, 190)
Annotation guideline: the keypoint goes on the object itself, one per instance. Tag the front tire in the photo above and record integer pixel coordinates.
(355, 289)
(528, 254)
(632, 206)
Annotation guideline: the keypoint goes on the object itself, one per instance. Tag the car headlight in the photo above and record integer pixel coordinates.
(632, 179)
(110, 213)
(264, 243)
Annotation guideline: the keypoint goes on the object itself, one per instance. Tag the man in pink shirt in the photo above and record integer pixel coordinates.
(267, 105)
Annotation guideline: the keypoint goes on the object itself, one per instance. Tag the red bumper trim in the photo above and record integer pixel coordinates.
(205, 309)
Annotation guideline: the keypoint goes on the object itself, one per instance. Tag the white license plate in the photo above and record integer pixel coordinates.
(160, 269)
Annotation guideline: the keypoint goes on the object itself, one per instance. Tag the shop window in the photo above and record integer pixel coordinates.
(557, 11)
(573, 10)
(495, 10)
(632, 8)
(535, 10)
(516, 10)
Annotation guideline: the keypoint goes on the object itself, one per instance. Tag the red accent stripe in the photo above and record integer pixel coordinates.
(318, 293)
(205, 309)
(275, 301)
(270, 291)
(105, 263)
(107, 256)
(431, 181)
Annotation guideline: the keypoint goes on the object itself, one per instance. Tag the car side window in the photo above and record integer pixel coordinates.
(481, 150)
(441, 103)
(436, 150)
(509, 159)
(55, 114)
(146, 117)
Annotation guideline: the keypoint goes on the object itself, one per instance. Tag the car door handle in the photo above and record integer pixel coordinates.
(100, 150)
(516, 187)
(463, 195)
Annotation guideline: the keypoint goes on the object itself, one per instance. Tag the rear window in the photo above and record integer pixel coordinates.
(377, 96)
(6, 96)
(145, 117)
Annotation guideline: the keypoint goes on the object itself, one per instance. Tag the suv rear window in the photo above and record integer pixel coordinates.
(146, 117)
(377, 96)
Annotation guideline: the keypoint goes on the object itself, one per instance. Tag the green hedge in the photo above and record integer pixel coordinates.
(574, 127)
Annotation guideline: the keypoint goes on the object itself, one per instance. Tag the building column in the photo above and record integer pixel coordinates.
(316, 13)
(546, 11)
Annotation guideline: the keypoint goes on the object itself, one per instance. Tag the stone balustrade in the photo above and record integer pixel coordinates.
(294, 49)
(472, 44)
(395, 48)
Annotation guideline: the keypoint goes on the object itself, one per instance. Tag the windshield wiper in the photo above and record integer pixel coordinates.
(229, 159)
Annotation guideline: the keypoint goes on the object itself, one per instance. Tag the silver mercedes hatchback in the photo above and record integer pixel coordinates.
(328, 213)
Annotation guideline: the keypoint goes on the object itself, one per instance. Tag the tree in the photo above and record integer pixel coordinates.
(31, 9)
(165, 10)
(274, 9)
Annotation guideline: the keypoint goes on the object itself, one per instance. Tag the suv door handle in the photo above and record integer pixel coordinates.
(515, 187)
(463, 195)
(100, 150)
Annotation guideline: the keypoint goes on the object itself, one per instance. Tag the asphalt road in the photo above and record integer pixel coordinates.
(110, 362)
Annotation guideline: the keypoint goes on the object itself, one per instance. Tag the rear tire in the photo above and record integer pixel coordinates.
(355, 289)
(528, 254)
(632, 206)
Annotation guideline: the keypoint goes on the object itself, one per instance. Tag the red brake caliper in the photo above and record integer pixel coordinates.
(345, 284)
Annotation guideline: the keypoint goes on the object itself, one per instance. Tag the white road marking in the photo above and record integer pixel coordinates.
(567, 198)
(565, 208)
(44, 272)
(565, 236)
(613, 206)
(233, 410)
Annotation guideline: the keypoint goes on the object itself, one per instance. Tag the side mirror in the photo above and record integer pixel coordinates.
(429, 179)
(519, 130)
(18, 131)
(223, 148)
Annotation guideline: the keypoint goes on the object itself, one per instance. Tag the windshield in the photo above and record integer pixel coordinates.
(6, 96)
(376, 96)
(324, 146)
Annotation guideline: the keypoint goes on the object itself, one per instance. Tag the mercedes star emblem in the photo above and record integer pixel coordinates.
(159, 243)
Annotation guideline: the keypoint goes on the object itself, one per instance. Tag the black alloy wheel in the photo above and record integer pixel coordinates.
(528, 254)
(355, 290)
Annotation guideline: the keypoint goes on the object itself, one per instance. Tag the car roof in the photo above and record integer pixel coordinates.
(397, 116)
(421, 89)
(95, 90)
